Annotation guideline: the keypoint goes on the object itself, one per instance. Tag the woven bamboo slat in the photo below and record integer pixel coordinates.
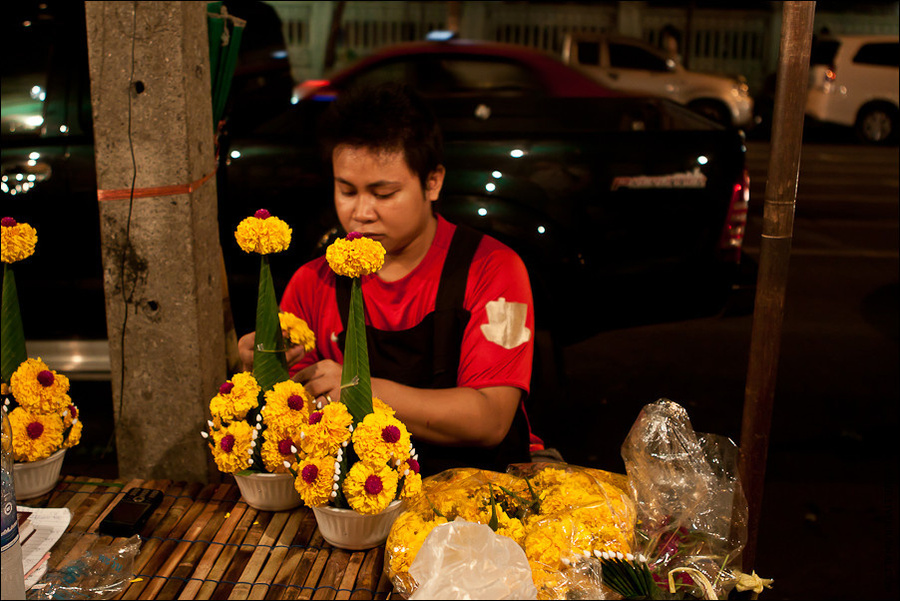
(204, 542)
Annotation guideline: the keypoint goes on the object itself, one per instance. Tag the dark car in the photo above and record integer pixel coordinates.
(457, 67)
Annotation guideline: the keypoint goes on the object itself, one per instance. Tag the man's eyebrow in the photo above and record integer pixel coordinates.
(377, 184)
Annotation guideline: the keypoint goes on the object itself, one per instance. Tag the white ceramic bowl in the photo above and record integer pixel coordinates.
(35, 478)
(269, 492)
(346, 529)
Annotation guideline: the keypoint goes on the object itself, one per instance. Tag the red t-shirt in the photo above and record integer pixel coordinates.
(498, 343)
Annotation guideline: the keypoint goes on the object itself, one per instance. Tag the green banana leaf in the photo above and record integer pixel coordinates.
(12, 349)
(356, 383)
(269, 364)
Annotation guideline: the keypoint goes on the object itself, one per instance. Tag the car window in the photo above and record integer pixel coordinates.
(886, 54)
(589, 53)
(433, 75)
(823, 52)
(626, 56)
(489, 76)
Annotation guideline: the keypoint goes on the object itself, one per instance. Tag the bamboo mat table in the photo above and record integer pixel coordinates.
(204, 542)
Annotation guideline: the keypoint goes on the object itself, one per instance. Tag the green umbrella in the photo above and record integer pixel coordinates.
(225, 32)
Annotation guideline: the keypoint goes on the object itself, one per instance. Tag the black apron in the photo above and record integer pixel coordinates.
(427, 356)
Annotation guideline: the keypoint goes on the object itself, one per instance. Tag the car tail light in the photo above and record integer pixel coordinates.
(307, 89)
(736, 220)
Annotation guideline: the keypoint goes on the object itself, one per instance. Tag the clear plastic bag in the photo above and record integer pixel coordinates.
(562, 516)
(101, 571)
(465, 560)
(691, 509)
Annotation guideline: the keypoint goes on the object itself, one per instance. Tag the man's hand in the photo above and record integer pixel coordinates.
(247, 346)
(322, 379)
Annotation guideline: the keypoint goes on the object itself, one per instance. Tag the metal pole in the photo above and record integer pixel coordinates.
(775, 250)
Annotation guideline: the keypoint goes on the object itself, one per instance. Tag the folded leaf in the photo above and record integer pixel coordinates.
(356, 383)
(269, 364)
(12, 348)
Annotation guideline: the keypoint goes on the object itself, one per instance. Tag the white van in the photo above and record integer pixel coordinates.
(631, 65)
(853, 81)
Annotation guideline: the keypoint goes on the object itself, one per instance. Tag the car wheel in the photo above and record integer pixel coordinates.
(712, 110)
(877, 123)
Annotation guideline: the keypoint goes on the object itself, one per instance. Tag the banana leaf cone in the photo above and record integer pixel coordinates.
(12, 348)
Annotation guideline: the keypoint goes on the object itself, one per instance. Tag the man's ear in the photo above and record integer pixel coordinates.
(434, 183)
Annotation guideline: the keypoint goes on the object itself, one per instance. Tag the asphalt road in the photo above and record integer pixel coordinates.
(830, 509)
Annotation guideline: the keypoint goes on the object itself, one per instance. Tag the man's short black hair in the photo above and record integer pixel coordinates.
(386, 117)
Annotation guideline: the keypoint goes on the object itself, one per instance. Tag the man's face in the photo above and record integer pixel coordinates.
(377, 194)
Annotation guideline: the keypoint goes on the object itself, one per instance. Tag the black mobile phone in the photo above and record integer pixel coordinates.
(131, 513)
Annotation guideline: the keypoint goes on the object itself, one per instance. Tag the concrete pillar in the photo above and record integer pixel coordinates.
(153, 130)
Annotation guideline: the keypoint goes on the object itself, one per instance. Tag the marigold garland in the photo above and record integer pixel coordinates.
(38, 388)
(236, 398)
(355, 255)
(17, 240)
(35, 435)
(296, 331)
(263, 234)
(370, 488)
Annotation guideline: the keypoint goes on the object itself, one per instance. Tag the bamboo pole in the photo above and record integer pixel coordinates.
(775, 250)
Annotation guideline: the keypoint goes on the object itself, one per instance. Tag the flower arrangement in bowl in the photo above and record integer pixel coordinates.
(43, 418)
(352, 460)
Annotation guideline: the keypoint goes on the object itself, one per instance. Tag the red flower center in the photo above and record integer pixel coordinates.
(295, 402)
(73, 411)
(35, 429)
(227, 443)
(374, 485)
(354, 236)
(8, 222)
(45, 378)
(413, 465)
(262, 214)
(315, 417)
(226, 388)
(390, 434)
(284, 446)
(310, 473)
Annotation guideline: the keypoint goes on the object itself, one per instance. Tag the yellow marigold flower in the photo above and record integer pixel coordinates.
(74, 436)
(236, 397)
(35, 435)
(69, 415)
(412, 479)
(315, 480)
(263, 234)
(380, 437)
(287, 400)
(231, 446)
(277, 447)
(380, 406)
(17, 240)
(296, 331)
(355, 255)
(38, 388)
(370, 489)
(327, 429)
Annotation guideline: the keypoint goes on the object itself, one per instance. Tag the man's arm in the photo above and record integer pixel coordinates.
(449, 416)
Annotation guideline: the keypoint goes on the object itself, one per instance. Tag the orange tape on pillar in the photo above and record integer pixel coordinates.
(174, 190)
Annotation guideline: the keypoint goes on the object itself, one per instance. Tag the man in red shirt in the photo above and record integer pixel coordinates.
(449, 317)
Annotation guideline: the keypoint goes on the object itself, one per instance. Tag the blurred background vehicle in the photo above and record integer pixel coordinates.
(631, 65)
(853, 81)
(456, 67)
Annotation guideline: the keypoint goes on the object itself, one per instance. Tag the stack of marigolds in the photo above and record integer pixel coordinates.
(44, 419)
(559, 514)
(361, 458)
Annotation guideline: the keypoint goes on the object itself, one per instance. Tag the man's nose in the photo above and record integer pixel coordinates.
(364, 208)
